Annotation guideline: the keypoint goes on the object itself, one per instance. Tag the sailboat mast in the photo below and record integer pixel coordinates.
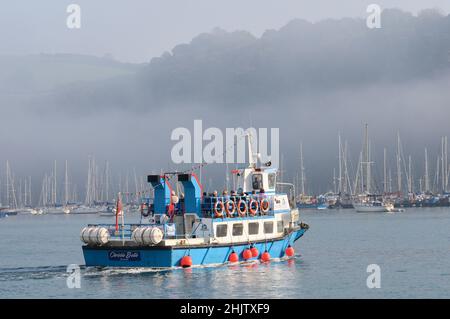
(367, 158)
(399, 168)
(7, 184)
(107, 181)
(340, 165)
(302, 171)
(54, 184)
(66, 185)
(385, 170)
(427, 176)
(445, 164)
(442, 165)
(410, 181)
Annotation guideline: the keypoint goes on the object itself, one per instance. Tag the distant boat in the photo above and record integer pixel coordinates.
(85, 210)
(32, 211)
(7, 212)
(56, 210)
(373, 204)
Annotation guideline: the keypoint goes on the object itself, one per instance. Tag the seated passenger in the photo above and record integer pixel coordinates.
(233, 196)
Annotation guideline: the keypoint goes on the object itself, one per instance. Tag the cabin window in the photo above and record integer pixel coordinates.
(221, 230)
(257, 181)
(272, 180)
(280, 226)
(268, 227)
(238, 229)
(253, 228)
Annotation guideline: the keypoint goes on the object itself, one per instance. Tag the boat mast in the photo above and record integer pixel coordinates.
(87, 201)
(399, 168)
(334, 180)
(410, 181)
(54, 185)
(7, 183)
(340, 164)
(346, 184)
(11, 200)
(367, 159)
(445, 164)
(107, 181)
(358, 174)
(384, 171)
(390, 181)
(442, 165)
(302, 171)
(66, 185)
(427, 178)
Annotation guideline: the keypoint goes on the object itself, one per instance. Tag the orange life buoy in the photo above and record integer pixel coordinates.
(253, 207)
(241, 211)
(229, 211)
(264, 205)
(218, 213)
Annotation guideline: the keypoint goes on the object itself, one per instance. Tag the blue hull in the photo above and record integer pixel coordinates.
(163, 257)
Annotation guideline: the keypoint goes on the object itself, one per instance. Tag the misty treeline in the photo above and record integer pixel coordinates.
(235, 69)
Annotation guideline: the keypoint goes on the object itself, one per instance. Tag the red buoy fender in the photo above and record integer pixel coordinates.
(265, 257)
(254, 251)
(247, 254)
(290, 251)
(233, 258)
(186, 261)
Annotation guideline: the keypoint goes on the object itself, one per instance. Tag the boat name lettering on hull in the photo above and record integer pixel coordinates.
(124, 255)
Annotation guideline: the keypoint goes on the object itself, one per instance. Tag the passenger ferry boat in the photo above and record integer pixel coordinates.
(256, 223)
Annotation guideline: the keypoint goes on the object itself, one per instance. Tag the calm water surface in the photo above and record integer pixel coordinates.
(412, 248)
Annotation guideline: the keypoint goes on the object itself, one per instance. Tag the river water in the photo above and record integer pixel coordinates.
(412, 250)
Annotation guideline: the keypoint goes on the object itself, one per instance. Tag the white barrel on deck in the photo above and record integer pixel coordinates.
(84, 235)
(137, 235)
(152, 236)
(95, 235)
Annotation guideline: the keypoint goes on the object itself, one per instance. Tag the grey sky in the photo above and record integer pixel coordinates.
(136, 31)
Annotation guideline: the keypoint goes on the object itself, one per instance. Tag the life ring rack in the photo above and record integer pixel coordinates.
(230, 212)
(264, 205)
(218, 213)
(242, 212)
(253, 207)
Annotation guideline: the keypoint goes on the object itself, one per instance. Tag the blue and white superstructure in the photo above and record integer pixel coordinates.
(254, 223)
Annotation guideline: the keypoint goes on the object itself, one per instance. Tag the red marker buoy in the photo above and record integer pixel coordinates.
(290, 251)
(247, 254)
(186, 261)
(233, 258)
(265, 257)
(254, 251)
